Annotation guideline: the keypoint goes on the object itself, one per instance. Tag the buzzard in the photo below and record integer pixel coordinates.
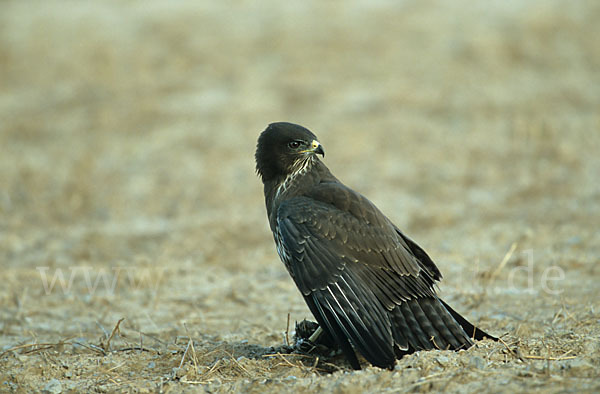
(370, 287)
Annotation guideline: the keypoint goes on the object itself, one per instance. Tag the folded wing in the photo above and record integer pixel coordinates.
(365, 282)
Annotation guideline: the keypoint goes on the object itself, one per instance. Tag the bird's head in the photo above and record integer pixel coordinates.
(284, 148)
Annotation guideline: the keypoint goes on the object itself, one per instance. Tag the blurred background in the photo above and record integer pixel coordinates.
(128, 129)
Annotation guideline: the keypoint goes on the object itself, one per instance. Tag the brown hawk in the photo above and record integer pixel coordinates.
(370, 287)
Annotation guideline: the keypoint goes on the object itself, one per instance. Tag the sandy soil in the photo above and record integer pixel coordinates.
(127, 186)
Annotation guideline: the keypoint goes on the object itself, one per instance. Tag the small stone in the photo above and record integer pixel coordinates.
(151, 364)
(477, 362)
(52, 387)
(443, 360)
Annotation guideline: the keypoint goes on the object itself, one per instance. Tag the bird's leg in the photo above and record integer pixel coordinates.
(315, 335)
(310, 338)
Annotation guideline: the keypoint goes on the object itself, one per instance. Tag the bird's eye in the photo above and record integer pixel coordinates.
(294, 144)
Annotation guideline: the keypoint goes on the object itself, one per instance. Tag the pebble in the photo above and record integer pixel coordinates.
(477, 362)
(443, 360)
(52, 387)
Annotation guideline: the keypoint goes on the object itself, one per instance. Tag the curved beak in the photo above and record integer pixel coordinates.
(316, 147)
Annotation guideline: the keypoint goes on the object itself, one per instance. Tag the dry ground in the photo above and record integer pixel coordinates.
(127, 187)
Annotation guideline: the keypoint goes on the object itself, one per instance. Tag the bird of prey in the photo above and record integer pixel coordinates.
(369, 286)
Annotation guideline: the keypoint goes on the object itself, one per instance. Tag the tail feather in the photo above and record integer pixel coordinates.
(402, 335)
(453, 335)
(461, 338)
(469, 328)
(418, 339)
(429, 323)
(425, 315)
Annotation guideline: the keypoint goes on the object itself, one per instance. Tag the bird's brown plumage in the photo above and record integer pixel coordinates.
(367, 284)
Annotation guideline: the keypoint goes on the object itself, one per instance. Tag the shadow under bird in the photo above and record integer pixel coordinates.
(370, 287)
